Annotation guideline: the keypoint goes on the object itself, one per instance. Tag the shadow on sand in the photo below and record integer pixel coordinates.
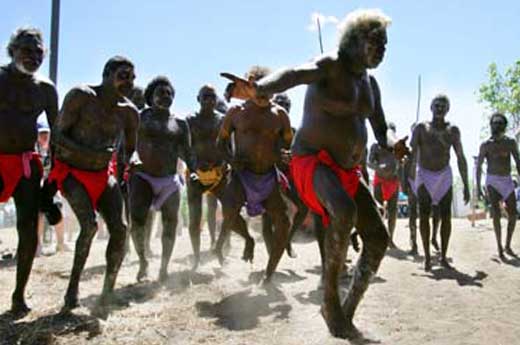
(463, 279)
(44, 330)
(242, 310)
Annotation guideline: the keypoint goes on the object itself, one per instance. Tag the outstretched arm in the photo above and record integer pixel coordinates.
(277, 82)
(461, 161)
(480, 160)
(287, 78)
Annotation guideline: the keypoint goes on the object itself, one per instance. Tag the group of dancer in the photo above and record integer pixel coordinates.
(108, 151)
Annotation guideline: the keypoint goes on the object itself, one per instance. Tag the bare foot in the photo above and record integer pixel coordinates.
(249, 250)
(19, 308)
(510, 251)
(435, 244)
(163, 275)
(142, 274)
(220, 256)
(335, 320)
(427, 265)
(444, 263)
(292, 254)
(71, 302)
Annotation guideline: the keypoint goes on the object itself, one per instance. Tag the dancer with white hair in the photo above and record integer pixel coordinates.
(328, 150)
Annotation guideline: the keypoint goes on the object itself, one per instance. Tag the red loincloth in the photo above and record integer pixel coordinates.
(13, 167)
(94, 182)
(302, 172)
(388, 187)
(112, 168)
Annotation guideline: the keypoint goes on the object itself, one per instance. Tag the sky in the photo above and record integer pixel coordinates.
(449, 43)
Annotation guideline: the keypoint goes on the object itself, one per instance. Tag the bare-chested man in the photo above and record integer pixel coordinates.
(328, 150)
(261, 129)
(291, 193)
(210, 166)
(431, 144)
(90, 123)
(386, 181)
(155, 183)
(497, 152)
(23, 96)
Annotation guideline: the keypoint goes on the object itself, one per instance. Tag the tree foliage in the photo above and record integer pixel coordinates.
(502, 93)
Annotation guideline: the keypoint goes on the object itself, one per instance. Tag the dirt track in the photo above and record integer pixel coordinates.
(478, 303)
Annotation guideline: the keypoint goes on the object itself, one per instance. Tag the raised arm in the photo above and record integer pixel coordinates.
(480, 160)
(461, 161)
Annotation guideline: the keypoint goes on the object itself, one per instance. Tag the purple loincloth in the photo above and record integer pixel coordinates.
(502, 184)
(257, 188)
(162, 187)
(437, 183)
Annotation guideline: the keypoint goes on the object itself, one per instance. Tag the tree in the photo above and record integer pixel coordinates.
(501, 93)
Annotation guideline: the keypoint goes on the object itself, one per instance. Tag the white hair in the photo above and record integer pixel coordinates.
(360, 22)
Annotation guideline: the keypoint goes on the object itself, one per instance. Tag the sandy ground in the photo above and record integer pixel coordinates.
(478, 303)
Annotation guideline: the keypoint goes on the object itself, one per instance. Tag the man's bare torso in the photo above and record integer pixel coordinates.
(335, 111)
(257, 134)
(159, 141)
(204, 132)
(22, 100)
(434, 145)
(498, 155)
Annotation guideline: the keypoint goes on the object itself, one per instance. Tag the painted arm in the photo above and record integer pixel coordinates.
(288, 78)
(185, 152)
(373, 157)
(415, 143)
(377, 120)
(480, 161)
(130, 131)
(224, 135)
(461, 161)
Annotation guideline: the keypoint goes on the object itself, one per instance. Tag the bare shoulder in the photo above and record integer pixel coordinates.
(129, 109)
(326, 61)
(454, 130)
(80, 94)
(235, 110)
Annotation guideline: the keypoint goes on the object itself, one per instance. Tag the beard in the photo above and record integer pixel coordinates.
(21, 68)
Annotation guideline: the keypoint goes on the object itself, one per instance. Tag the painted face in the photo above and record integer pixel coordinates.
(439, 108)
(28, 55)
(207, 99)
(374, 47)
(137, 97)
(283, 102)
(163, 96)
(498, 125)
(124, 80)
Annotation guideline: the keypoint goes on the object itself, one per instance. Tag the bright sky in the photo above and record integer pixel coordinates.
(450, 43)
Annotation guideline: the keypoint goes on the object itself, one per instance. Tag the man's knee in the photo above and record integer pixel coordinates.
(345, 215)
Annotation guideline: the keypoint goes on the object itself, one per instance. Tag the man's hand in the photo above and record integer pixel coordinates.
(401, 150)
(466, 195)
(239, 88)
